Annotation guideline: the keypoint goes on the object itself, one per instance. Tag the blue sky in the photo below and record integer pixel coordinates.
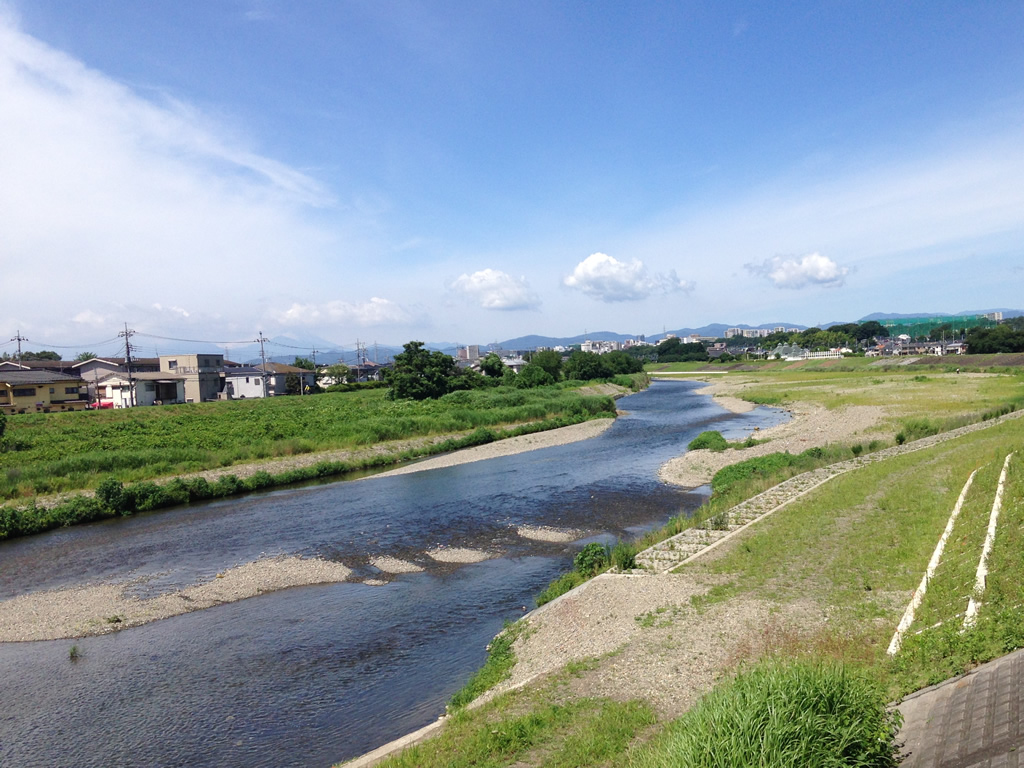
(473, 171)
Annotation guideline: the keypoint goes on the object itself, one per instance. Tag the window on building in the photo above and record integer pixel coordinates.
(150, 386)
(172, 365)
(52, 390)
(24, 392)
(70, 390)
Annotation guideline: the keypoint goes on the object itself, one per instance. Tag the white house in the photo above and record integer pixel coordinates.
(149, 388)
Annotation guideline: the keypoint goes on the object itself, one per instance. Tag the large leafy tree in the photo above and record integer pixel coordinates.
(619, 362)
(1002, 338)
(305, 363)
(419, 374)
(83, 356)
(584, 366)
(492, 366)
(672, 350)
(550, 361)
(533, 375)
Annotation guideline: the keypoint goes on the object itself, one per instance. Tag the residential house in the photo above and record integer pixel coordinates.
(119, 390)
(203, 374)
(244, 382)
(96, 368)
(23, 391)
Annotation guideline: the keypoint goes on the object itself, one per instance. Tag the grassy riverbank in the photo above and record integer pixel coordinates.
(49, 453)
(829, 575)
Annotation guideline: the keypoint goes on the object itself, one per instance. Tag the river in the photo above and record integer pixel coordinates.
(314, 675)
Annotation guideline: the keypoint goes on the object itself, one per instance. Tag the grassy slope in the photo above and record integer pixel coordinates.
(857, 547)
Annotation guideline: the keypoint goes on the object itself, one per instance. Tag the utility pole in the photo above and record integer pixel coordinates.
(263, 357)
(19, 338)
(302, 384)
(127, 335)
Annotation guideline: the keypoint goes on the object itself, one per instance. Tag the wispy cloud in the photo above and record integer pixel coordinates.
(604, 277)
(117, 197)
(806, 271)
(494, 289)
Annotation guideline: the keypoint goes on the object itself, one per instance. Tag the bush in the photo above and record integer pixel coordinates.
(110, 493)
(785, 715)
(591, 559)
(711, 441)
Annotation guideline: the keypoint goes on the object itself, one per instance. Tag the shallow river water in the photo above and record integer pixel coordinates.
(314, 675)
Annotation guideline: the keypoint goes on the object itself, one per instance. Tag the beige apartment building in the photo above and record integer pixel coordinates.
(203, 374)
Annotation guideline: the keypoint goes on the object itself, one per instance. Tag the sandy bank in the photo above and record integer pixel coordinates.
(98, 609)
(507, 447)
(811, 426)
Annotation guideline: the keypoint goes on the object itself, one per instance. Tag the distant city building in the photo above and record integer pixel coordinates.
(600, 347)
(470, 352)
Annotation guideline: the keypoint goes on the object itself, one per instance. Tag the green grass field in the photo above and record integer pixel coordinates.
(47, 453)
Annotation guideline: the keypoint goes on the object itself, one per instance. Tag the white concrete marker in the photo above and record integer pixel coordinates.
(979, 580)
(915, 601)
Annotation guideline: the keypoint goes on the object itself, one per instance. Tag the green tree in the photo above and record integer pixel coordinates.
(672, 350)
(419, 374)
(550, 361)
(305, 363)
(619, 362)
(43, 354)
(533, 375)
(3, 424)
(292, 383)
(492, 366)
(83, 356)
(586, 366)
(337, 373)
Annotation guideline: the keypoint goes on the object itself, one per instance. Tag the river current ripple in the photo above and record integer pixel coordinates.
(314, 675)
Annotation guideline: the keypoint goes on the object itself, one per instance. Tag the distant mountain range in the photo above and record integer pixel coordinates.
(285, 348)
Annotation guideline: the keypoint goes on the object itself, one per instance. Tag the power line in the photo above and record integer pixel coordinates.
(199, 341)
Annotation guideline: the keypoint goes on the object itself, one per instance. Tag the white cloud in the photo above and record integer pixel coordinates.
(122, 199)
(494, 289)
(604, 277)
(375, 312)
(810, 270)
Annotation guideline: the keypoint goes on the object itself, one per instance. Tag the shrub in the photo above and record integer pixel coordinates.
(785, 715)
(712, 441)
(111, 494)
(591, 559)
(857, 449)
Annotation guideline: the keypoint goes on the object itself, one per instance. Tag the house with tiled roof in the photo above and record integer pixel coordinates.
(41, 391)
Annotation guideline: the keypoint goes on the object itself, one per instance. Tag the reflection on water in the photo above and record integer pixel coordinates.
(312, 675)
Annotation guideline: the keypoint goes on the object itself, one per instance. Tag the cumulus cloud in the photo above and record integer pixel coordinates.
(375, 312)
(810, 270)
(604, 277)
(494, 289)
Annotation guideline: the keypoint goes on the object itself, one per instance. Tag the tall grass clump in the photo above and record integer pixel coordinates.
(783, 715)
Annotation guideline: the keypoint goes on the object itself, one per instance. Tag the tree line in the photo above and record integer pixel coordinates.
(420, 374)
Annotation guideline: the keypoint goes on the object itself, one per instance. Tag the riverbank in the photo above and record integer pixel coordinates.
(811, 426)
(102, 608)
